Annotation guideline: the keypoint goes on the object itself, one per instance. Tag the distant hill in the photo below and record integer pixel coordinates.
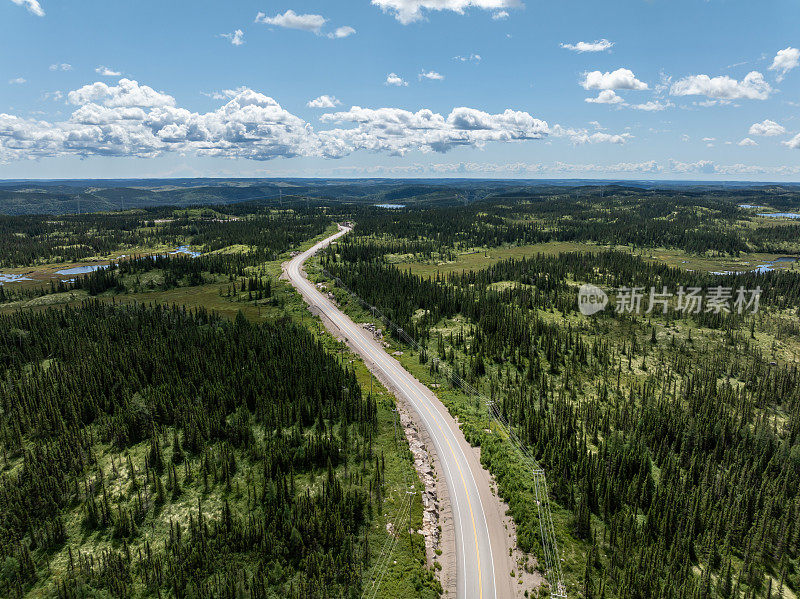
(62, 197)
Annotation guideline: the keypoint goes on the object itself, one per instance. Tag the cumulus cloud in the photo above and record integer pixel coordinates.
(606, 96)
(398, 131)
(342, 32)
(107, 72)
(583, 136)
(61, 67)
(752, 87)
(767, 128)
(500, 15)
(595, 46)
(33, 6)
(793, 143)
(653, 106)
(785, 60)
(619, 79)
(470, 58)
(409, 11)
(323, 102)
(236, 38)
(432, 75)
(17, 81)
(291, 20)
(747, 142)
(131, 119)
(396, 80)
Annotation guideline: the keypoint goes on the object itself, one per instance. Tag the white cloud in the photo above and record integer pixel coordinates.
(61, 67)
(432, 75)
(33, 6)
(701, 166)
(55, 96)
(342, 32)
(767, 128)
(711, 168)
(324, 102)
(653, 106)
(396, 80)
(582, 136)
(746, 142)
(752, 87)
(793, 143)
(408, 11)
(785, 60)
(130, 119)
(291, 20)
(398, 131)
(236, 38)
(500, 15)
(596, 46)
(106, 72)
(470, 58)
(17, 81)
(619, 79)
(606, 96)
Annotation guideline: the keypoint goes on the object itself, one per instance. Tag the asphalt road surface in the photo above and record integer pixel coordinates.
(481, 542)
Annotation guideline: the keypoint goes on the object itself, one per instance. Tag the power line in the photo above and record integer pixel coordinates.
(546, 526)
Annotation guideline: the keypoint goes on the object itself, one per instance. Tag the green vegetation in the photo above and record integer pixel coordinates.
(671, 441)
(151, 451)
(226, 446)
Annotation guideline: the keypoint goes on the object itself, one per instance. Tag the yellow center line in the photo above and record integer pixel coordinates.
(387, 364)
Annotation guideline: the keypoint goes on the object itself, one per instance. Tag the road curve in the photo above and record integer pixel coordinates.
(481, 541)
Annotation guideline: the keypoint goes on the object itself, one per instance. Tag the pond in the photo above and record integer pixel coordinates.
(184, 249)
(391, 206)
(10, 278)
(780, 214)
(81, 270)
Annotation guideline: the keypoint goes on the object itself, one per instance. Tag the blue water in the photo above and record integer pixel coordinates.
(184, 249)
(761, 269)
(780, 214)
(391, 206)
(81, 270)
(769, 266)
(8, 278)
(750, 206)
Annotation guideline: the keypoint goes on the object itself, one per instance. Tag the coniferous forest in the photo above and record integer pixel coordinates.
(671, 440)
(251, 421)
(175, 425)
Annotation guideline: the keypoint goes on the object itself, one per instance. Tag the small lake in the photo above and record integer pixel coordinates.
(770, 266)
(751, 206)
(760, 269)
(9, 278)
(391, 206)
(81, 270)
(780, 214)
(184, 249)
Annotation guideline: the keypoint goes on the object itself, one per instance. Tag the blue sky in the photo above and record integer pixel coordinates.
(681, 89)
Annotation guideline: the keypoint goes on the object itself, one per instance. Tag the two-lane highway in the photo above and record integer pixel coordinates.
(481, 542)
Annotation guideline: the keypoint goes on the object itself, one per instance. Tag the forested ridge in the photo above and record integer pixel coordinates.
(30, 240)
(112, 417)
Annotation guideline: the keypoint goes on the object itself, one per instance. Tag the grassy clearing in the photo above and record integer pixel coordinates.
(478, 259)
